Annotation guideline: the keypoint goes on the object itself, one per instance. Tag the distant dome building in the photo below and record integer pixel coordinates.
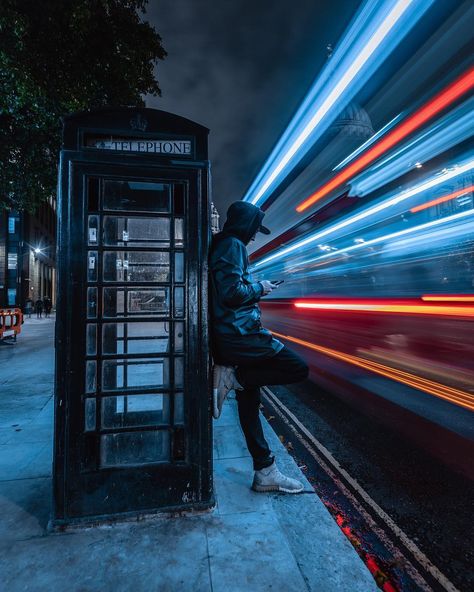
(353, 121)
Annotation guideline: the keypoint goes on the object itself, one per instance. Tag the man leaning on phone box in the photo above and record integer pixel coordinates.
(246, 355)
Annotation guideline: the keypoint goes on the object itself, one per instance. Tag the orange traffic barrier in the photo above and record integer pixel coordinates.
(11, 320)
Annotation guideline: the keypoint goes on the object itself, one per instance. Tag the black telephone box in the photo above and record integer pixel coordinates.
(132, 420)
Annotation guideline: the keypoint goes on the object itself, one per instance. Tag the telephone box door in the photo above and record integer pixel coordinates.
(132, 414)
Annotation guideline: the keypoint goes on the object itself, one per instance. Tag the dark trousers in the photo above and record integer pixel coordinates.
(285, 367)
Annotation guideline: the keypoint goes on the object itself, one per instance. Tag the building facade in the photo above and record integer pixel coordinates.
(28, 255)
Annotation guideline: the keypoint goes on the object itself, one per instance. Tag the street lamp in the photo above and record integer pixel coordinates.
(37, 251)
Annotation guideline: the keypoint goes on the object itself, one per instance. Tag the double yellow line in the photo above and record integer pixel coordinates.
(456, 396)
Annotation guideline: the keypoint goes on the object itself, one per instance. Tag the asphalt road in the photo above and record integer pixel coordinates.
(409, 516)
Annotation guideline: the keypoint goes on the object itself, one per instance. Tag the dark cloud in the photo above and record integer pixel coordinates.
(241, 68)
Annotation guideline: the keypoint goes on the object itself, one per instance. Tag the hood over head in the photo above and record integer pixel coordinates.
(244, 220)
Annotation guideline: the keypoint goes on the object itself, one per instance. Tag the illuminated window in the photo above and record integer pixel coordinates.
(12, 260)
(11, 296)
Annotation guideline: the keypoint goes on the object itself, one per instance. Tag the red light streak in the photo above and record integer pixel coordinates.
(371, 561)
(435, 202)
(442, 100)
(447, 393)
(395, 307)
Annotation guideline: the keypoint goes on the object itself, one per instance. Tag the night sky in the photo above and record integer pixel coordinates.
(241, 68)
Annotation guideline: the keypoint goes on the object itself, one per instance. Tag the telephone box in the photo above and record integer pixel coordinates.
(132, 412)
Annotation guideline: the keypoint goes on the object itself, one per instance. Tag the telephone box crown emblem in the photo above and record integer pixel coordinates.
(138, 122)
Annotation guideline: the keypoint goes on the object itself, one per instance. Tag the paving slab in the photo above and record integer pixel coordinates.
(162, 554)
(229, 443)
(247, 552)
(24, 508)
(17, 461)
(232, 480)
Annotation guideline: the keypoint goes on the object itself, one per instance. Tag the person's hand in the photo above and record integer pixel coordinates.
(268, 287)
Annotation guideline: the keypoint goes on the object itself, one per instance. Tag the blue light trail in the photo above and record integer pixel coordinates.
(448, 131)
(375, 31)
(368, 142)
(434, 181)
(467, 215)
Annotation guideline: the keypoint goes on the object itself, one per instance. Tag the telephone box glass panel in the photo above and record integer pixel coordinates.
(137, 196)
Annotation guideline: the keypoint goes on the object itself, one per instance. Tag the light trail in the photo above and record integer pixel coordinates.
(448, 298)
(368, 142)
(377, 27)
(444, 133)
(389, 307)
(394, 235)
(443, 199)
(441, 101)
(370, 211)
(398, 234)
(441, 391)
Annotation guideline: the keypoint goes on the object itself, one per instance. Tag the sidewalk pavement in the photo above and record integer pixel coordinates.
(248, 542)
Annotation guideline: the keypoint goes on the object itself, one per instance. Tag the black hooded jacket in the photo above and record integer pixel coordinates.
(237, 333)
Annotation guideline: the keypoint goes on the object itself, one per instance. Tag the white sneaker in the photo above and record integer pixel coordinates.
(270, 479)
(223, 381)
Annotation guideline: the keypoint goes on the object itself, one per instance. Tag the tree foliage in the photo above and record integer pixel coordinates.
(57, 57)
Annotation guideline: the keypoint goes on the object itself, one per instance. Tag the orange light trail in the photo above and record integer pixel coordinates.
(442, 100)
(418, 309)
(448, 298)
(435, 202)
(447, 393)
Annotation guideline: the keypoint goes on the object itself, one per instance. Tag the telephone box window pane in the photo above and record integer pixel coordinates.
(135, 338)
(91, 303)
(137, 302)
(89, 415)
(179, 336)
(178, 372)
(91, 376)
(137, 196)
(136, 232)
(92, 266)
(178, 409)
(179, 444)
(179, 267)
(91, 340)
(179, 302)
(93, 230)
(135, 373)
(134, 448)
(136, 266)
(178, 232)
(93, 194)
(179, 199)
(113, 338)
(136, 410)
